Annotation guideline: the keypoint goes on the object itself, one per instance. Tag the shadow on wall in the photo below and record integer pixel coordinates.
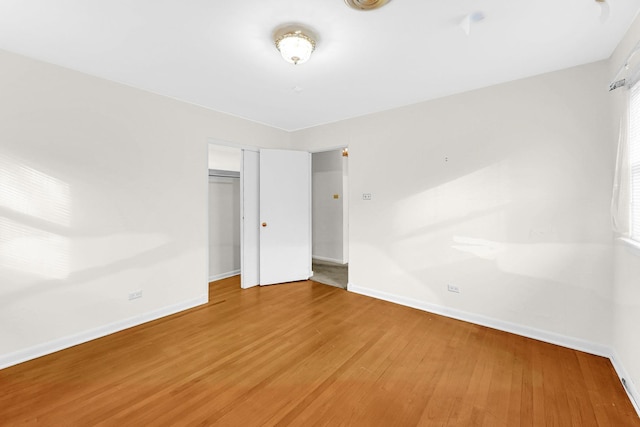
(33, 204)
(515, 236)
(42, 251)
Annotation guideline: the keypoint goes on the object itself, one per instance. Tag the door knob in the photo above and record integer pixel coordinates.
(264, 224)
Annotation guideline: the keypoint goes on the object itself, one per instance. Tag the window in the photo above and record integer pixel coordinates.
(634, 160)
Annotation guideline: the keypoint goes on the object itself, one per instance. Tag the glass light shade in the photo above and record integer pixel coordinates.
(295, 47)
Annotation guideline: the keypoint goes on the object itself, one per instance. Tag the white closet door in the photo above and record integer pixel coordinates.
(250, 211)
(285, 216)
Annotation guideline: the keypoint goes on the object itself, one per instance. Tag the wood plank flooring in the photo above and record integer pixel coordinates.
(312, 355)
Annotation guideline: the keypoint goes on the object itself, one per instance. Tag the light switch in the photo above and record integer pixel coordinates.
(336, 196)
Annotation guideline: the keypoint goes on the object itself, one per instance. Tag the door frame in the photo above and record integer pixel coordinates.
(219, 142)
(346, 211)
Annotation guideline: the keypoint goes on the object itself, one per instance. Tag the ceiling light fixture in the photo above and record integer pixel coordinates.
(366, 4)
(295, 47)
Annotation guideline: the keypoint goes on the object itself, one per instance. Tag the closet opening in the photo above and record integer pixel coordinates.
(224, 212)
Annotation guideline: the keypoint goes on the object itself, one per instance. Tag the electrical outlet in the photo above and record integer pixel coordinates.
(135, 295)
(366, 196)
(453, 288)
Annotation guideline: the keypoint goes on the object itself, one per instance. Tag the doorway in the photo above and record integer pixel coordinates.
(224, 212)
(274, 213)
(224, 224)
(330, 217)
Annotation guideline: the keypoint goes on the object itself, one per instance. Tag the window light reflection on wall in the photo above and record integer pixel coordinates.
(33, 205)
(30, 192)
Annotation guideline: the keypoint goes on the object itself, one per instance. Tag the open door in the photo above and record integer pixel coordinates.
(285, 216)
(250, 212)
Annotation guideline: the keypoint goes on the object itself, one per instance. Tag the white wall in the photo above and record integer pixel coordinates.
(224, 227)
(103, 191)
(224, 158)
(503, 192)
(327, 213)
(626, 283)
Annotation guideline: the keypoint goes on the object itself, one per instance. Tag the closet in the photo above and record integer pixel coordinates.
(224, 213)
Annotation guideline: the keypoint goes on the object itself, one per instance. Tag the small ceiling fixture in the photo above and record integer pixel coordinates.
(295, 46)
(469, 20)
(366, 4)
(605, 11)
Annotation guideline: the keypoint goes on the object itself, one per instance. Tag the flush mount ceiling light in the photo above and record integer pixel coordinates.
(366, 4)
(295, 46)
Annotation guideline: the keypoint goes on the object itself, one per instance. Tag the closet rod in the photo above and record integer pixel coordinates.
(223, 173)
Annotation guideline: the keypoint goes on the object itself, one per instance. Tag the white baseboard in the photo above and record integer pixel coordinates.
(324, 258)
(223, 275)
(549, 337)
(82, 337)
(628, 384)
(514, 328)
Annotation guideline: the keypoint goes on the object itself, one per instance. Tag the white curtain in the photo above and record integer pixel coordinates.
(621, 196)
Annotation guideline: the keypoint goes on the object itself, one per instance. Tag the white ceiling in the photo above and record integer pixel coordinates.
(220, 54)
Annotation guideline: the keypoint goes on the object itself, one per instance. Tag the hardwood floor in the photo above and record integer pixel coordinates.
(311, 354)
